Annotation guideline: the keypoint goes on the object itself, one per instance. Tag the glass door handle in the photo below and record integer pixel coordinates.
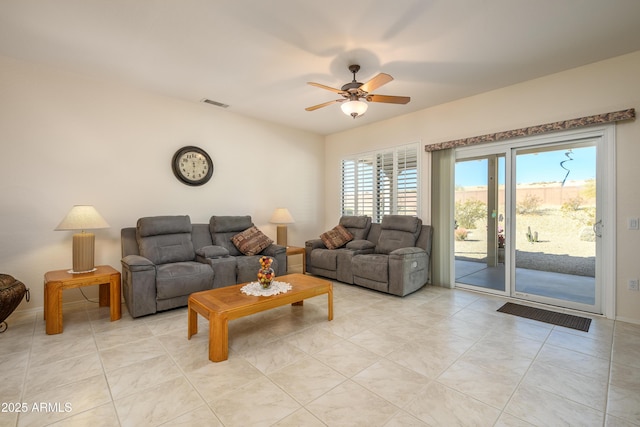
(597, 228)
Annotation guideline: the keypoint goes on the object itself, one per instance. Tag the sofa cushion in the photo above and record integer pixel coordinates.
(337, 237)
(157, 225)
(182, 278)
(212, 252)
(165, 239)
(398, 231)
(357, 225)
(374, 267)
(251, 241)
(223, 228)
(324, 259)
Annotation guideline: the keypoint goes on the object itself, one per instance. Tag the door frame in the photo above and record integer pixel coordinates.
(605, 188)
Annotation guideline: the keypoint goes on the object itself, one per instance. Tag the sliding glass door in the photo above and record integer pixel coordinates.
(480, 234)
(554, 212)
(529, 219)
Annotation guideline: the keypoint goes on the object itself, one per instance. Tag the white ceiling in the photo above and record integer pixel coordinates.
(257, 56)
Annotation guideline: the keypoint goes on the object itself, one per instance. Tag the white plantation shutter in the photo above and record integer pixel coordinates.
(384, 184)
(407, 181)
(381, 183)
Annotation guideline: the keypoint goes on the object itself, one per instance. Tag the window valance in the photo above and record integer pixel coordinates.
(615, 116)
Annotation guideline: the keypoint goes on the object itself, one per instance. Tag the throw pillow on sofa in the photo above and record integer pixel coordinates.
(251, 241)
(337, 237)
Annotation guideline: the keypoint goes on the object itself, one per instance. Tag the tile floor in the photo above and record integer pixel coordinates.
(438, 357)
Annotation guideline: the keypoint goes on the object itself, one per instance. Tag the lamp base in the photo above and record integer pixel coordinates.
(83, 250)
(281, 235)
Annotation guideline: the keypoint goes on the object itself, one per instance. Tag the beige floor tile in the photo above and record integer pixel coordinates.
(199, 417)
(130, 353)
(493, 387)
(403, 419)
(164, 402)
(347, 358)
(378, 342)
(540, 407)
(626, 349)
(313, 340)
(306, 379)
(67, 400)
(574, 361)
(273, 356)
(260, 402)
(581, 343)
(439, 405)
(52, 348)
(116, 337)
(300, 418)
(507, 420)
(350, 404)
(215, 379)
(576, 386)
(100, 416)
(624, 393)
(140, 376)
(65, 371)
(391, 381)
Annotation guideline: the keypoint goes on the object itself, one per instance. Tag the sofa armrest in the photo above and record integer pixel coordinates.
(314, 244)
(273, 250)
(408, 270)
(407, 251)
(212, 251)
(360, 245)
(139, 285)
(137, 263)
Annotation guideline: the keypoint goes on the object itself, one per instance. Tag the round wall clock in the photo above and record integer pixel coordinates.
(192, 165)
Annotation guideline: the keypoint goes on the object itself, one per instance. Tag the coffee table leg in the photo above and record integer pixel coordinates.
(192, 322)
(53, 308)
(298, 303)
(115, 298)
(330, 303)
(218, 337)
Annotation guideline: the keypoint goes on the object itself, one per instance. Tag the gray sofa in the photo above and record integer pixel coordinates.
(391, 257)
(166, 258)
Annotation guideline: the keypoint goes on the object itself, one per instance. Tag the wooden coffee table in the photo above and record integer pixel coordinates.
(228, 303)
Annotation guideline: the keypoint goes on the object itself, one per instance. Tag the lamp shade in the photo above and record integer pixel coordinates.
(354, 108)
(82, 217)
(282, 216)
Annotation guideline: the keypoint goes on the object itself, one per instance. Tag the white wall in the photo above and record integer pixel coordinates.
(68, 140)
(597, 88)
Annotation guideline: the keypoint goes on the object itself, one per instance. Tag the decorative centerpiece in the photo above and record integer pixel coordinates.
(266, 273)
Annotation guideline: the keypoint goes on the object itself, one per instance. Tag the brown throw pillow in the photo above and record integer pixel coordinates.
(337, 237)
(251, 241)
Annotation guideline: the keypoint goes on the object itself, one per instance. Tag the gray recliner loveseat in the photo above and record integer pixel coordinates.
(166, 258)
(391, 257)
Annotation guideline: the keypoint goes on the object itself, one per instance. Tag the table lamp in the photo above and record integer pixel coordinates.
(281, 216)
(82, 217)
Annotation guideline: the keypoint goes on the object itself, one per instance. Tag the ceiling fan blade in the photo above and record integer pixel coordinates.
(326, 87)
(376, 82)
(315, 107)
(389, 99)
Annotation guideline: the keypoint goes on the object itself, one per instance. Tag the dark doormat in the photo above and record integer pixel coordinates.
(559, 319)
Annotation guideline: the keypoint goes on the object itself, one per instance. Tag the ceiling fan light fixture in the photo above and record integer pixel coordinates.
(354, 108)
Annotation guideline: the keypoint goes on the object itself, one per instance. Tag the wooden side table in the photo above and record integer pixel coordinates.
(56, 281)
(296, 250)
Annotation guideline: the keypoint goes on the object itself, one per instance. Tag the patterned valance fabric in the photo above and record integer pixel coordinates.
(615, 116)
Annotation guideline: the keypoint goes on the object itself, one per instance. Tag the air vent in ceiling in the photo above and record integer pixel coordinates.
(216, 103)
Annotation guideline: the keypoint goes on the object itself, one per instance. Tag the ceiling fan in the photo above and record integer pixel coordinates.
(355, 91)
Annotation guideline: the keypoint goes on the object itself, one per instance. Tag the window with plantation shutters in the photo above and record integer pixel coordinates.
(381, 183)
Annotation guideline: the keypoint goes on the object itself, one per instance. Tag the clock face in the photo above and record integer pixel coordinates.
(192, 166)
